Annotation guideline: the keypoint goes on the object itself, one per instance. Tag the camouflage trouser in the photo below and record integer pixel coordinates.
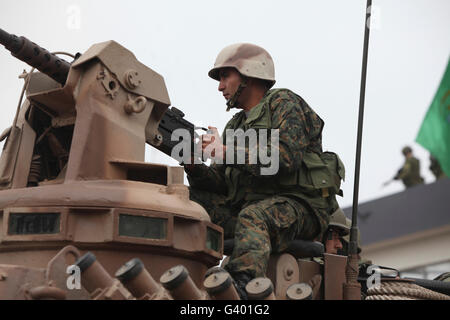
(258, 228)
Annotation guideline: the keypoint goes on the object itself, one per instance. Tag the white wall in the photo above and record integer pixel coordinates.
(420, 249)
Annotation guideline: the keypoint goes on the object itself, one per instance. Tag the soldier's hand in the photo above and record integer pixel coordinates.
(212, 146)
(195, 157)
(190, 165)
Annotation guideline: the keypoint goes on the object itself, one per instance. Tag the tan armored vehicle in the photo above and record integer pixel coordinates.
(83, 216)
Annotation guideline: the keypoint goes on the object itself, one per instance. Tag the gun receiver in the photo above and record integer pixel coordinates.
(172, 120)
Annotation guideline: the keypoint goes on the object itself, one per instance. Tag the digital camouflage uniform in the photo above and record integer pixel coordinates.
(264, 213)
(410, 172)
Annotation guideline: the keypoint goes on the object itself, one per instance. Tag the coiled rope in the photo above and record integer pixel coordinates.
(399, 290)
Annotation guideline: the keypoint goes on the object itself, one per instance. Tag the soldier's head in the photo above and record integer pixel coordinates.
(244, 71)
(337, 228)
(406, 151)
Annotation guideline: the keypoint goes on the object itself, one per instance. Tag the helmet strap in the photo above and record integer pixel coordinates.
(231, 103)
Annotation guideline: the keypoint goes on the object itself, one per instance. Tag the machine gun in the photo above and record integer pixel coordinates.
(58, 69)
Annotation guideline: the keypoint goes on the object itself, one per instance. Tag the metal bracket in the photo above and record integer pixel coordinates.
(135, 105)
(110, 84)
(132, 80)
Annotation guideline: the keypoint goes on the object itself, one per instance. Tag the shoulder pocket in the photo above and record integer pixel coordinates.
(314, 174)
(324, 171)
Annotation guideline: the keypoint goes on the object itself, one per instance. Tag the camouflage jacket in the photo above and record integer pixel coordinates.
(410, 172)
(300, 130)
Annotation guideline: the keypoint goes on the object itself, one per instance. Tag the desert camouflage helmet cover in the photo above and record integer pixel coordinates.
(338, 222)
(249, 59)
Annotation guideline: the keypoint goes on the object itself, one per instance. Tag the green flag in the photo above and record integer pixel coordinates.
(434, 134)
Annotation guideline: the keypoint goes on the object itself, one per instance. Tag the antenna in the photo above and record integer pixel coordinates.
(352, 289)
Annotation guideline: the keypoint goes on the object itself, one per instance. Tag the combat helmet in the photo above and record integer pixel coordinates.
(406, 150)
(249, 60)
(338, 223)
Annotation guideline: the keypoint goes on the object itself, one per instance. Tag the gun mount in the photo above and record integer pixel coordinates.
(169, 119)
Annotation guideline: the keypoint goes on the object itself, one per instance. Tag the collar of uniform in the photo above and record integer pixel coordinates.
(257, 111)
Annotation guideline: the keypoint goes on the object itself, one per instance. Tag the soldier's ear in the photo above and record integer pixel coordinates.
(259, 83)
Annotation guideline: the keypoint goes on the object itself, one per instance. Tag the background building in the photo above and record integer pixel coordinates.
(409, 230)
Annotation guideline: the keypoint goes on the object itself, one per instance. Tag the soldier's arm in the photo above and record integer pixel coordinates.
(404, 172)
(300, 128)
(206, 178)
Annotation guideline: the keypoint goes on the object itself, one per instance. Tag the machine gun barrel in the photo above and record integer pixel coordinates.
(36, 56)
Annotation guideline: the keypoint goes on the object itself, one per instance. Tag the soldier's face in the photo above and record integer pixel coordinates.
(334, 244)
(229, 82)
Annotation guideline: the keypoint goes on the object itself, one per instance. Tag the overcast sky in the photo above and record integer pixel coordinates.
(317, 50)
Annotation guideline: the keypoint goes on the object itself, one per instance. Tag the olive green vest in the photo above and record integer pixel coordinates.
(316, 182)
(413, 176)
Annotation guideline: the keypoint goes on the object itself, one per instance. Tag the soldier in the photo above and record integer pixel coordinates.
(435, 168)
(410, 172)
(337, 229)
(332, 238)
(262, 212)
